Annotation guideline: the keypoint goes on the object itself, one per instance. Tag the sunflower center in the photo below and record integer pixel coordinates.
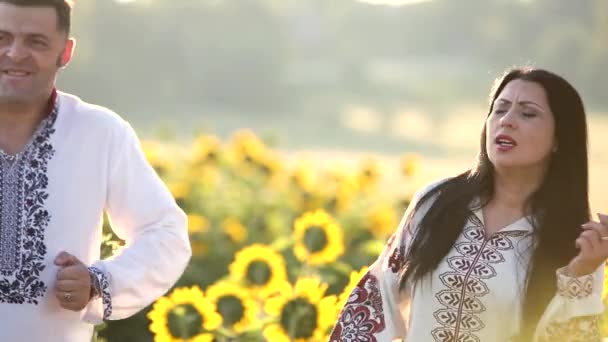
(299, 318)
(315, 239)
(231, 309)
(266, 170)
(259, 272)
(184, 321)
(249, 159)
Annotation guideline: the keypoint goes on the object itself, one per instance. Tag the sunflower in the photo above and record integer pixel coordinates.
(302, 313)
(234, 230)
(197, 226)
(205, 150)
(355, 277)
(259, 267)
(270, 164)
(181, 191)
(303, 177)
(341, 188)
(382, 221)
(246, 147)
(318, 239)
(345, 193)
(154, 153)
(369, 175)
(235, 304)
(304, 201)
(184, 316)
(251, 157)
(246, 139)
(410, 163)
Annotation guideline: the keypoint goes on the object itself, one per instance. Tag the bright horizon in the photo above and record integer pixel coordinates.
(393, 2)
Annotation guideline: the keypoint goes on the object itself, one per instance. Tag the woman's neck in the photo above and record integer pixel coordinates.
(512, 189)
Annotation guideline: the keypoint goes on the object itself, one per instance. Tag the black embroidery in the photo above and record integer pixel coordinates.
(575, 287)
(465, 282)
(104, 286)
(23, 217)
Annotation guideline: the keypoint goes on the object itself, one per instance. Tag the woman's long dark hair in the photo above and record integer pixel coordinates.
(559, 206)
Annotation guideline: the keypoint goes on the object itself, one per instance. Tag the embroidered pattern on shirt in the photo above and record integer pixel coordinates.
(362, 315)
(575, 287)
(104, 286)
(396, 262)
(577, 329)
(459, 319)
(23, 217)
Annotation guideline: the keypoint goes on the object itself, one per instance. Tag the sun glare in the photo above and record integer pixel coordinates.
(393, 2)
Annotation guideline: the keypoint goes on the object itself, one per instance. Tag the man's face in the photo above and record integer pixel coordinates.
(32, 49)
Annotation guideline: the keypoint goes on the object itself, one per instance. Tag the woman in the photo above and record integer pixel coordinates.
(506, 251)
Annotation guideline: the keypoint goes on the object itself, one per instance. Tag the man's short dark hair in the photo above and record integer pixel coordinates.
(63, 8)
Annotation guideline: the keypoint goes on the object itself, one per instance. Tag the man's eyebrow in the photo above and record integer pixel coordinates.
(35, 35)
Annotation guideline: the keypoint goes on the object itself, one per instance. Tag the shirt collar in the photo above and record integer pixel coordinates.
(522, 224)
(50, 107)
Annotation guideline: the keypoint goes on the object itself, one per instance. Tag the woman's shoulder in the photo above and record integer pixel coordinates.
(420, 203)
(423, 191)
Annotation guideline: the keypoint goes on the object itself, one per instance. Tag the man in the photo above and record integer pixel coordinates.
(63, 162)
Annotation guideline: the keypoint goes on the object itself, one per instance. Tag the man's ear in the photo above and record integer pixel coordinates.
(67, 53)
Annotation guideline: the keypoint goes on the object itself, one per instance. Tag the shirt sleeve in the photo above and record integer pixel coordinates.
(144, 214)
(574, 312)
(376, 309)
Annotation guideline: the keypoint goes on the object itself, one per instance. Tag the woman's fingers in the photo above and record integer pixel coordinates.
(599, 228)
(603, 219)
(584, 245)
(593, 237)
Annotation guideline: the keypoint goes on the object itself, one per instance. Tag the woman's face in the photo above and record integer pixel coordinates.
(520, 130)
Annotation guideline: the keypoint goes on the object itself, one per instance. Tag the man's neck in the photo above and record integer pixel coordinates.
(18, 122)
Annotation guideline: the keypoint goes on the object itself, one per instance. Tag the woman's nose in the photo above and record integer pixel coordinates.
(508, 120)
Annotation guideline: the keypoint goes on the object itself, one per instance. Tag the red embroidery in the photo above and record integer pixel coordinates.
(362, 315)
(389, 244)
(396, 261)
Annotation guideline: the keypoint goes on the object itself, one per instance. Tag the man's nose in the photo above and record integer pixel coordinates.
(17, 51)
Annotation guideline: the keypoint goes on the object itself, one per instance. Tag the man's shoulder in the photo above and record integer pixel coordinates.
(92, 115)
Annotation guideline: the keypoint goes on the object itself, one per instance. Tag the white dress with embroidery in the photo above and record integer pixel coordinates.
(83, 160)
(475, 295)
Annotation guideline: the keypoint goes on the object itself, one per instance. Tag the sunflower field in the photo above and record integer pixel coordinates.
(278, 245)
